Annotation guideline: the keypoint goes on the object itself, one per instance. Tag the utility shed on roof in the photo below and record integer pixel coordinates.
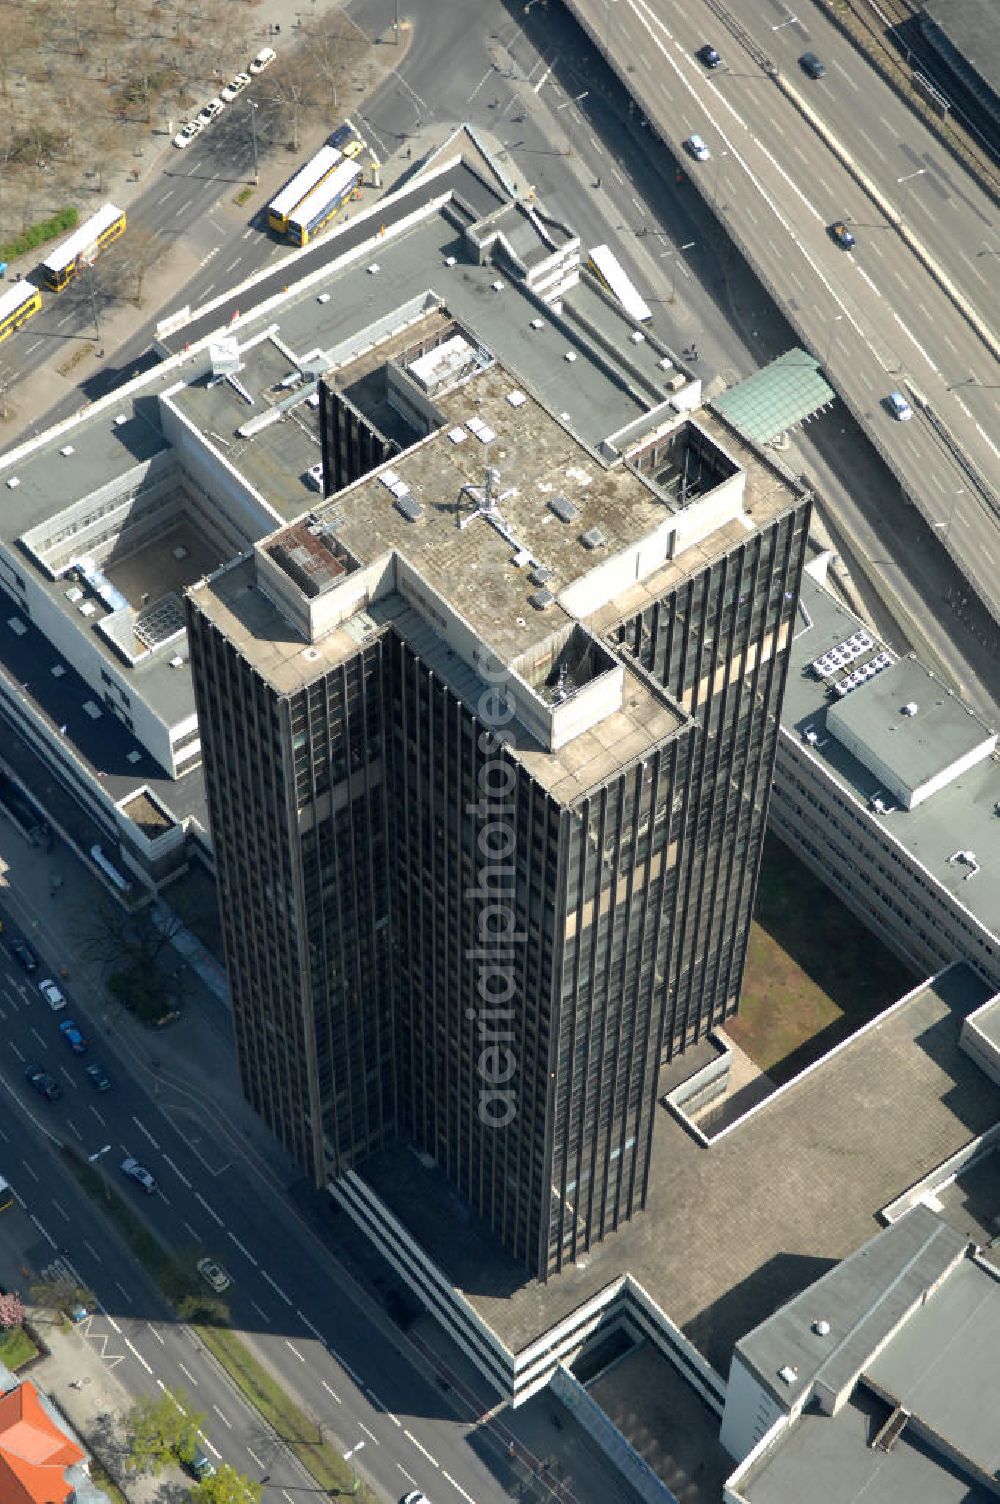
(910, 731)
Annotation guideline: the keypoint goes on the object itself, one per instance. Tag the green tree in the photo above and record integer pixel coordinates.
(61, 1294)
(227, 1486)
(162, 1430)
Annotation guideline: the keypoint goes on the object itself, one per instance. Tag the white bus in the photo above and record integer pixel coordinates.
(610, 272)
(315, 171)
(86, 240)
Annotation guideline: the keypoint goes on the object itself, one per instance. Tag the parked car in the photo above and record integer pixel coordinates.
(899, 407)
(264, 59)
(314, 477)
(137, 1172)
(354, 147)
(235, 86)
(187, 133)
(52, 995)
(24, 955)
(200, 1466)
(97, 1076)
(45, 1085)
(214, 1275)
(74, 1036)
(839, 232)
(696, 146)
(212, 109)
(709, 56)
(341, 136)
(811, 64)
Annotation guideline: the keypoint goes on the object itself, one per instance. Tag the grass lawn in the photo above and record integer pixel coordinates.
(16, 1348)
(814, 972)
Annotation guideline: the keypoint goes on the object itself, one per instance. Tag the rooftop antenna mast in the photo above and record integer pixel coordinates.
(487, 498)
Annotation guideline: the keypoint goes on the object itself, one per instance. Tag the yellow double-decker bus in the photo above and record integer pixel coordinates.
(315, 171)
(316, 211)
(17, 304)
(86, 242)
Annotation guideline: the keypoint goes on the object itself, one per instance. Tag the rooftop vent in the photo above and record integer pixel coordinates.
(457, 435)
(374, 269)
(120, 419)
(563, 508)
(541, 599)
(538, 323)
(570, 356)
(516, 399)
(497, 286)
(409, 508)
(788, 1374)
(821, 1328)
(450, 260)
(13, 483)
(593, 538)
(542, 574)
(67, 450)
(324, 297)
(176, 661)
(910, 708)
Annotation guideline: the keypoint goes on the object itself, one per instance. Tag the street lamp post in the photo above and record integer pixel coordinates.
(348, 1456)
(253, 137)
(829, 343)
(92, 1159)
(715, 180)
(607, 22)
(673, 256)
(909, 176)
(788, 21)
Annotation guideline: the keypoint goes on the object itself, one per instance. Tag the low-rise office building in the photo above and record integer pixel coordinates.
(888, 786)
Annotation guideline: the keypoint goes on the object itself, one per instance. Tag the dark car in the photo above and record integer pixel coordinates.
(97, 1076)
(708, 56)
(43, 1083)
(839, 232)
(811, 64)
(74, 1036)
(24, 955)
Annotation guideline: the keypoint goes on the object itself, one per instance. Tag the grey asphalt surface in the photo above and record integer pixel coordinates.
(874, 316)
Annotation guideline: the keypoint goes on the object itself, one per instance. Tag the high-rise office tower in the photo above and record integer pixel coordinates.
(488, 740)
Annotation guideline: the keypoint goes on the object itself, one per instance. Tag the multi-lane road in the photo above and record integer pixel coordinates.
(875, 315)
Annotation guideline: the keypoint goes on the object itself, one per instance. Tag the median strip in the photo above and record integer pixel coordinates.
(302, 1435)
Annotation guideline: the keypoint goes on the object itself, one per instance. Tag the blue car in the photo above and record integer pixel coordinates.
(73, 1037)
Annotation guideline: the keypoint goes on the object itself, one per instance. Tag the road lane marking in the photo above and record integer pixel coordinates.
(408, 1476)
(143, 1129)
(981, 430)
(191, 1230)
(136, 1353)
(13, 1046)
(331, 1392)
(364, 1428)
(60, 1210)
(544, 77)
(125, 1292)
(233, 263)
(212, 1212)
(92, 1251)
(261, 1312)
(156, 1334)
(187, 1374)
(113, 1324)
(242, 1247)
(214, 1450)
(227, 1423)
(410, 1437)
(97, 1115)
(292, 1348)
(358, 1380)
(30, 1171)
(256, 1460)
(179, 1173)
(274, 1284)
(44, 1231)
(314, 1329)
(458, 1486)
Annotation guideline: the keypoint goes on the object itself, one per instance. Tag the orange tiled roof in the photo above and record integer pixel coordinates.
(34, 1453)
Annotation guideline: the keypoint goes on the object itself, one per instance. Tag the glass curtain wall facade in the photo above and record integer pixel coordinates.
(355, 877)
